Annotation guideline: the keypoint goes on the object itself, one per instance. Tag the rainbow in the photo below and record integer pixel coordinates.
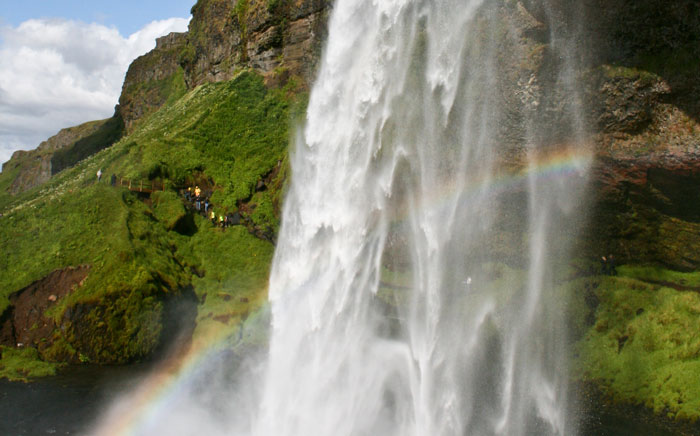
(512, 176)
(133, 413)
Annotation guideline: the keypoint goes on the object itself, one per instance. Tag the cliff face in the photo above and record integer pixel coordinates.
(636, 72)
(278, 38)
(152, 80)
(265, 35)
(647, 173)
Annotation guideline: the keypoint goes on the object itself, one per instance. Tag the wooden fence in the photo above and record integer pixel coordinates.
(146, 186)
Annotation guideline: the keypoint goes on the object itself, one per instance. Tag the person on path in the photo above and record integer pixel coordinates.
(611, 265)
(113, 180)
(221, 221)
(206, 204)
(197, 198)
(99, 174)
(213, 218)
(604, 265)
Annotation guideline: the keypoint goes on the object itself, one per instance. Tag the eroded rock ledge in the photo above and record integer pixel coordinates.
(25, 323)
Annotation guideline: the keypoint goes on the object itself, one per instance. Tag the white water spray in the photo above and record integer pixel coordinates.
(397, 179)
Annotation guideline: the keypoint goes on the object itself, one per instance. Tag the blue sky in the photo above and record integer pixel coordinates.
(62, 62)
(127, 15)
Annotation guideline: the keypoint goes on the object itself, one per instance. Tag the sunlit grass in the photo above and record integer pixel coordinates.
(23, 364)
(658, 274)
(228, 134)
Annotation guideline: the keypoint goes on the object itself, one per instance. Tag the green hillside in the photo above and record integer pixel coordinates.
(149, 253)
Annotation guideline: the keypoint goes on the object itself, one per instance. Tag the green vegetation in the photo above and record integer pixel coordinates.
(147, 250)
(132, 267)
(28, 169)
(279, 10)
(168, 89)
(236, 268)
(641, 345)
(652, 67)
(631, 73)
(656, 274)
(107, 134)
(234, 131)
(241, 12)
(7, 176)
(274, 6)
(23, 364)
(188, 55)
(168, 208)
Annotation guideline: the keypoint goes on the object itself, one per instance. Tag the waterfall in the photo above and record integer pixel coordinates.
(413, 290)
(436, 189)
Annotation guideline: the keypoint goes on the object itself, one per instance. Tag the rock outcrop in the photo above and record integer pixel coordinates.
(271, 36)
(25, 322)
(100, 331)
(152, 80)
(646, 179)
(644, 102)
(66, 148)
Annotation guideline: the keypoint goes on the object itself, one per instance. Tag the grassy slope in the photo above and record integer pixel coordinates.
(107, 134)
(230, 133)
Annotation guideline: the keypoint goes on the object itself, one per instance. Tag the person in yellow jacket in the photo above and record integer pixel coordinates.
(221, 221)
(213, 217)
(197, 198)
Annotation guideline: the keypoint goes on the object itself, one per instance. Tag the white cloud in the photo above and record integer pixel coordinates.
(58, 73)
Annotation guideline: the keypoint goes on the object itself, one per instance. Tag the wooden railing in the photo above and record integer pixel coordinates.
(139, 185)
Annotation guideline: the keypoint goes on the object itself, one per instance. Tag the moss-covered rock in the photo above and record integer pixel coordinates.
(23, 364)
(641, 345)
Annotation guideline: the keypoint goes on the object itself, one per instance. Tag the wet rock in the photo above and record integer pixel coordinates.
(628, 103)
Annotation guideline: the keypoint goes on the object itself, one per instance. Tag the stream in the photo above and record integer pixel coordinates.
(69, 403)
